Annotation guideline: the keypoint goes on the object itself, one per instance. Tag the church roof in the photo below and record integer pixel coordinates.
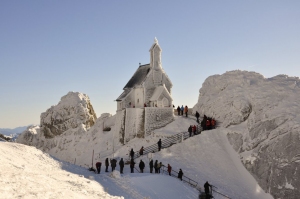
(123, 95)
(138, 77)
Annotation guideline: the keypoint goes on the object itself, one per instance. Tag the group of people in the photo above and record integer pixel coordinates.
(208, 123)
(192, 129)
(180, 110)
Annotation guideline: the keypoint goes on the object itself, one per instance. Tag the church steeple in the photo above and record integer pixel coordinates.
(155, 55)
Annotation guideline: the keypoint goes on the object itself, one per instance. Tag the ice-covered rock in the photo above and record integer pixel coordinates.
(262, 117)
(73, 110)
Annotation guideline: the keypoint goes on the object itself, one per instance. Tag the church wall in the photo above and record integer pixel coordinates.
(156, 118)
(134, 124)
(167, 83)
(139, 98)
(149, 88)
(165, 95)
(129, 98)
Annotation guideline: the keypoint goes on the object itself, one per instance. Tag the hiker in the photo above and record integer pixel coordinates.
(113, 164)
(194, 129)
(98, 166)
(186, 109)
(178, 110)
(159, 166)
(207, 125)
(132, 163)
(121, 163)
(190, 130)
(206, 188)
(213, 123)
(142, 151)
(142, 166)
(156, 166)
(145, 105)
(151, 166)
(131, 153)
(106, 164)
(182, 110)
(159, 144)
(197, 116)
(180, 174)
(169, 169)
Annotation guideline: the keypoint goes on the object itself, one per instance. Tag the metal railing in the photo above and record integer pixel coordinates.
(165, 143)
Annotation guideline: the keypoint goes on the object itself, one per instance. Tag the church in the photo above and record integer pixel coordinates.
(149, 86)
(146, 103)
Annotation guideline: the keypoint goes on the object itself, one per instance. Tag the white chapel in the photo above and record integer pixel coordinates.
(149, 85)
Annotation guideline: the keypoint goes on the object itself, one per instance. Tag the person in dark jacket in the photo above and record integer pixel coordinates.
(182, 110)
(98, 166)
(106, 164)
(121, 163)
(159, 165)
(156, 166)
(132, 163)
(142, 166)
(151, 166)
(207, 124)
(159, 144)
(131, 153)
(197, 116)
(207, 191)
(113, 164)
(169, 169)
(142, 151)
(190, 130)
(178, 110)
(180, 174)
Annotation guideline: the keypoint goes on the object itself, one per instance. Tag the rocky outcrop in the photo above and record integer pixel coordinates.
(262, 120)
(73, 110)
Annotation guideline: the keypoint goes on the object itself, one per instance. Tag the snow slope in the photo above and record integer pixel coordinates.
(29, 173)
(262, 120)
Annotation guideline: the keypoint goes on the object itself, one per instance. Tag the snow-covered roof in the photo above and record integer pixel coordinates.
(123, 95)
(157, 92)
(138, 77)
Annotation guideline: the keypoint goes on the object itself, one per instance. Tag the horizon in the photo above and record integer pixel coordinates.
(51, 48)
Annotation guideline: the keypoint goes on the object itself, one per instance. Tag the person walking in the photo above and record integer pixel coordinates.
(207, 191)
(169, 169)
(121, 163)
(180, 174)
(156, 166)
(98, 166)
(151, 166)
(142, 151)
(132, 163)
(213, 123)
(142, 166)
(186, 110)
(190, 130)
(182, 110)
(159, 144)
(178, 110)
(194, 129)
(113, 164)
(106, 164)
(197, 116)
(131, 153)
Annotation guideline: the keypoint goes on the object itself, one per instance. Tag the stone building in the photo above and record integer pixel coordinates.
(149, 85)
(146, 102)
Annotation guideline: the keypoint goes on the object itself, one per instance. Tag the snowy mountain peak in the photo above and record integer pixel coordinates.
(73, 110)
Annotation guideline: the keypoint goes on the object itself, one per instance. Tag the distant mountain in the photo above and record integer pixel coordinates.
(8, 132)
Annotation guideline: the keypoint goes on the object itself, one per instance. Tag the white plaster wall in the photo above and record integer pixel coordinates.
(119, 127)
(156, 118)
(139, 98)
(129, 98)
(134, 123)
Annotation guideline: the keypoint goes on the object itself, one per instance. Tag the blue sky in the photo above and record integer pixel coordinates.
(49, 48)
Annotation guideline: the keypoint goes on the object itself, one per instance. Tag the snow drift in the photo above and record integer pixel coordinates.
(262, 117)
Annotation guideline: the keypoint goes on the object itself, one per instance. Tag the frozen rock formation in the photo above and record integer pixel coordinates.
(261, 117)
(73, 110)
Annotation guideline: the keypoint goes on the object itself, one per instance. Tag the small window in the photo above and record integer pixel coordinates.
(138, 100)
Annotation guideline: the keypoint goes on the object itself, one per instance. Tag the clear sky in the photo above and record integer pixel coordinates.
(48, 48)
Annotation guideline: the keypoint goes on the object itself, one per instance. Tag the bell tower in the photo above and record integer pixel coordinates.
(155, 62)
